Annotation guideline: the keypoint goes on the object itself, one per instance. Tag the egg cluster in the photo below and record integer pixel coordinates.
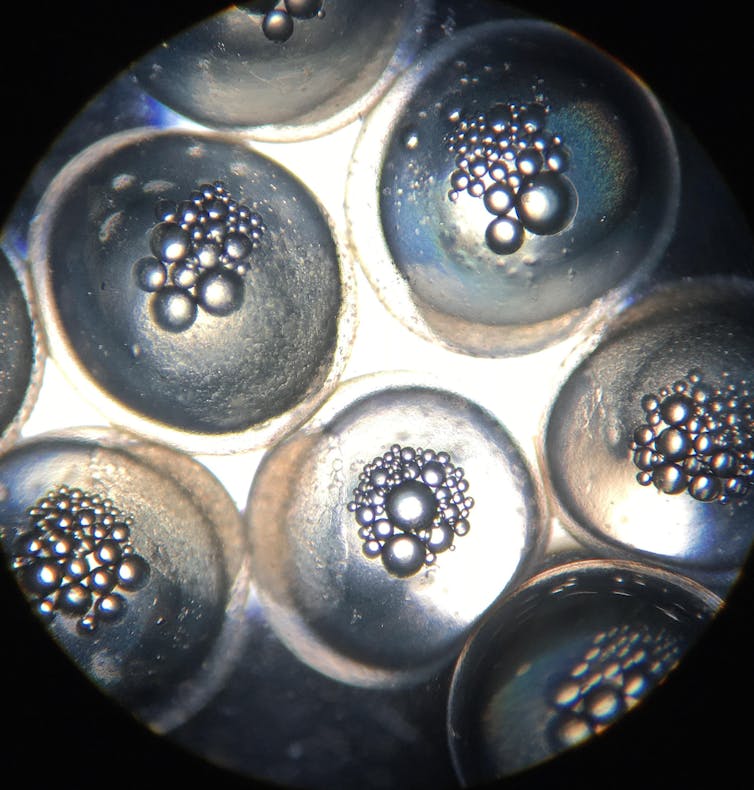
(697, 437)
(201, 249)
(509, 159)
(619, 668)
(76, 558)
(278, 22)
(410, 504)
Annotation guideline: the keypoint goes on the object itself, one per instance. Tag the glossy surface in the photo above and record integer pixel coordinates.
(659, 368)
(563, 658)
(410, 504)
(230, 325)
(395, 622)
(201, 249)
(76, 558)
(275, 718)
(132, 562)
(523, 176)
(283, 71)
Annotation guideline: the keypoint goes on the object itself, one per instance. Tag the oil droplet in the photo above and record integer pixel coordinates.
(508, 157)
(683, 446)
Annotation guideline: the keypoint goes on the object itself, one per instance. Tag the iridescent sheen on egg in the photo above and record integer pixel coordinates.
(526, 175)
(620, 666)
(512, 161)
(563, 658)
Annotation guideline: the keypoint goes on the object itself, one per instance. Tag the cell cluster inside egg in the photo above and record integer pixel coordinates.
(76, 558)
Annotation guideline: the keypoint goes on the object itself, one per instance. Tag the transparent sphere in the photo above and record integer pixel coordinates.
(231, 322)
(522, 176)
(129, 553)
(321, 673)
(649, 443)
(292, 68)
(422, 512)
(575, 649)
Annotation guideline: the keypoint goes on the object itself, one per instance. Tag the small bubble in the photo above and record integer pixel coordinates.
(277, 26)
(411, 140)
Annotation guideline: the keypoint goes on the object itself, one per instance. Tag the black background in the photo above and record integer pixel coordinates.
(697, 727)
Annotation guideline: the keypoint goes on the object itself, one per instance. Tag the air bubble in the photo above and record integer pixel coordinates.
(411, 140)
(546, 204)
(277, 26)
(173, 309)
(504, 235)
(151, 274)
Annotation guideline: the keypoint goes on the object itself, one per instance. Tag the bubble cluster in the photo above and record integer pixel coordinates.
(619, 668)
(76, 558)
(410, 504)
(278, 22)
(201, 249)
(697, 437)
(509, 159)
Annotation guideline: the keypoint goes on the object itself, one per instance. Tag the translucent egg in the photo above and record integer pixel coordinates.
(545, 176)
(237, 319)
(648, 450)
(382, 536)
(289, 70)
(381, 532)
(565, 657)
(131, 554)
